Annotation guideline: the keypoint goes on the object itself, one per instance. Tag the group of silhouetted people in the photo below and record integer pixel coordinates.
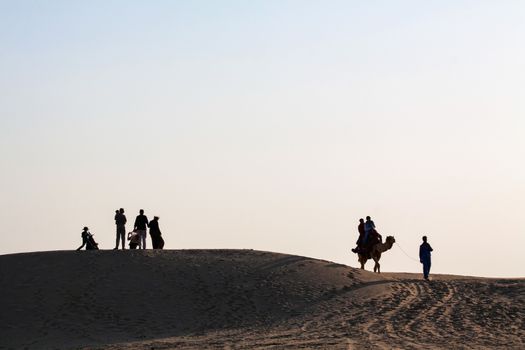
(136, 238)
(368, 237)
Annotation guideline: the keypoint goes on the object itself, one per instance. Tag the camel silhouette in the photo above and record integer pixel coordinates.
(375, 253)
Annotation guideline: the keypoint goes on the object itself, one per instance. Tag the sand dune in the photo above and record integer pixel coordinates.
(244, 299)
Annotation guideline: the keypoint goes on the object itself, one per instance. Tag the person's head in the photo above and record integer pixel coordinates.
(116, 211)
(156, 218)
(86, 228)
(361, 220)
(141, 211)
(424, 238)
(368, 218)
(121, 210)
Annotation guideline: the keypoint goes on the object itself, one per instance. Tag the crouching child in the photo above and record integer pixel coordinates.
(134, 239)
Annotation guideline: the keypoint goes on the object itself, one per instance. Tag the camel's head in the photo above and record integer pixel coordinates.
(390, 240)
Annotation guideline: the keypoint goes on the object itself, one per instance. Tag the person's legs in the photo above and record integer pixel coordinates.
(154, 241)
(118, 238)
(139, 233)
(143, 238)
(122, 231)
(426, 269)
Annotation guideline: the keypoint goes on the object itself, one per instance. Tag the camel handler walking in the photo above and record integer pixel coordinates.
(424, 256)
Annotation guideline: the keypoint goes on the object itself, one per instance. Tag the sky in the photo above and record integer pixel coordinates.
(268, 125)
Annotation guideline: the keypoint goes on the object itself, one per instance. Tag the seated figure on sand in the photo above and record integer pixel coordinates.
(87, 240)
(134, 239)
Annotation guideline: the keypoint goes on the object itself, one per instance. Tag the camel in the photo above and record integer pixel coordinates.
(375, 253)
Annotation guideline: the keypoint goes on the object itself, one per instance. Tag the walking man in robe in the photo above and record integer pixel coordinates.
(141, 227)
(424, 256)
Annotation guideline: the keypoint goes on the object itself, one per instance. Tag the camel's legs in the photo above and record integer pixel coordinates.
(361, 262)
(377, 266)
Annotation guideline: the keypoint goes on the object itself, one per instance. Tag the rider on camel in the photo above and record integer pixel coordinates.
(368, 236)
(361, 230)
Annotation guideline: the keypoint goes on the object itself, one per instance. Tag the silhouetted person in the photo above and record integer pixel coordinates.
(120, 221)
(424, 256)
(141, 224)
(361, 230)
(156, 235)
(369, 227)
(87, 240)
(134, 240)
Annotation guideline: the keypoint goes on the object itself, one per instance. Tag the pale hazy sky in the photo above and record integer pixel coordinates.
(272, 125)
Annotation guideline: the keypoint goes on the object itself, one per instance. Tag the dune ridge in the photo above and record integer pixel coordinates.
(245, 299)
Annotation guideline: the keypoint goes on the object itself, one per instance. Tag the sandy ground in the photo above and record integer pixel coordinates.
(244, 299)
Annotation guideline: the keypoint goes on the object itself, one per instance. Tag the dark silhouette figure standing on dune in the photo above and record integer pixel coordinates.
(120, 221)
(141, 224)
(156, 235)
(424, 256)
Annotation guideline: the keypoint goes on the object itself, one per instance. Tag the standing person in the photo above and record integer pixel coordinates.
(120, 221)
(369, 227)
(361, 230)
(424, 256)
(141, 224)
(156, 235)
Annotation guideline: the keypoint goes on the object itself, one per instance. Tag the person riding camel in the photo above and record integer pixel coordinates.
(359, 242)
(374, 238)
(369, 227)
(370, 237)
